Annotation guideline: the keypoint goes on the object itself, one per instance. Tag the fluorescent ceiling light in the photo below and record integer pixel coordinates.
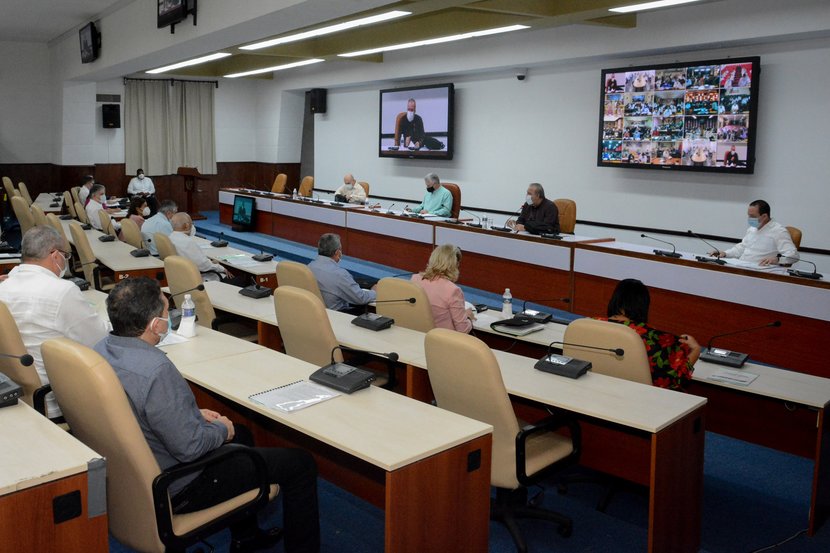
(328, 30)
(188, 63)
(275, 68)
(439, 40)
(650, 5)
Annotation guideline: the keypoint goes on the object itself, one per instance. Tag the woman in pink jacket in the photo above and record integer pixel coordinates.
(446, 299)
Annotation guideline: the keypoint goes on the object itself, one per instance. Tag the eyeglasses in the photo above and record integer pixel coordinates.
(66, 255)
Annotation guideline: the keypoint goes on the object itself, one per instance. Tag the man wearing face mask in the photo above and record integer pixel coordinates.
(437, 200)
(45, 306)
(764, 239)
(160, 222)
(186, 246)
(143, 186)
(338, 287)
(350, 191)
(539, 215)
(411, 127)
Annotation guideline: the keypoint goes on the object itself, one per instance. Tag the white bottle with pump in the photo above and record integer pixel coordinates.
(507, 304)
(187, 327)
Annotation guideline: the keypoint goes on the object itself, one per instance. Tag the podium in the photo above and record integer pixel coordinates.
(191, 175)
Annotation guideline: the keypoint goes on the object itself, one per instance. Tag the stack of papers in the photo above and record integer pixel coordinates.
(737, 378)
(238, 260)
(295, 396)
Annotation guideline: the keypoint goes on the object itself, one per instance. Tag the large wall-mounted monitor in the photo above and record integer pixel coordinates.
(171, 12)
(90, 43)
(417, 122)
(698, 116)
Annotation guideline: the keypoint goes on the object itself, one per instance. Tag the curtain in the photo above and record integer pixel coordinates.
(169, 126)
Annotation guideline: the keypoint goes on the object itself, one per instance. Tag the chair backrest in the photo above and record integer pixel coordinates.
(38, 215)
(24, 192)
(633, 365)
(291, 273)
(12, 343)
(567, 214)
(97, 409)
(466, 379)
(306, 186)
(75, 191)
(795, 234)
(55, 223)
(279, 184)
(398, 122)
(23, 214)
(164, 246)
(131, 233)
(455, 190)
(81, 243)
(416, 316)
(9, 186)
(106, 223)
(365, 186)
(182, 274)
(80, 212)
(70, 205)
(305, 328)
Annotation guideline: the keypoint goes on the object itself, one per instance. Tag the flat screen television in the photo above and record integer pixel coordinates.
(90, 43)
(698, 116)
(171, 12)
(417, 122)
(243, 212)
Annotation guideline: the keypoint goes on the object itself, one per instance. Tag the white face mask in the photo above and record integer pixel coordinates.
(164, 334)
(529, 199)
(145, 212)
(348, 187)
(141, 177)
(62, 272)
(192, 231)
(410, 116)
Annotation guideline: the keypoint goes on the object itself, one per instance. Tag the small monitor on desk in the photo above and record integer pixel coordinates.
(243, 213)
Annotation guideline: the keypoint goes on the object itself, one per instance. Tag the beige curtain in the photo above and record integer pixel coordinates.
(167, 127)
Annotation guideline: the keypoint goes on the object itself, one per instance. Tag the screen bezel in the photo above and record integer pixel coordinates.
(92, 32)
(240, 199)
(428, 154)
(753, 115)
(171, 16)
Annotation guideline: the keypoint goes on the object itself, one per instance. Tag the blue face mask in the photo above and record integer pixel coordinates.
(754, 222)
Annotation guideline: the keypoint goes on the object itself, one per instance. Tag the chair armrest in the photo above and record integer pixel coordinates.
(549, 424)
(161, 497)
(39, 398)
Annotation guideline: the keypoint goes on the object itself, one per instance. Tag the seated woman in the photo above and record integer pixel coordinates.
(138, 210)
(670, 357)
(446, 299)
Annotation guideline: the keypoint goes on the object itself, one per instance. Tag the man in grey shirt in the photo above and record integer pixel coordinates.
(177, 431)
(337, 285)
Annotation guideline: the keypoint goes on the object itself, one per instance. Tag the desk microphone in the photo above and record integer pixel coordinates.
(255, 290)
(376, 322)
(568, 366)
(726, 357)
(664, 253)
(200, 288)
(539, 317)
(401, 300)
(506, 228)
(619, 352)
(803, 274)
(345, 378)
(391, 356)
(262, 256)
(389, 209)
(26, 360)
(716, 260)
(220, 242)
(477, 224)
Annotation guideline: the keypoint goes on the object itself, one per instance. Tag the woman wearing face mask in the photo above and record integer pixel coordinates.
(539, 215)
(143, 186)
(138, 210)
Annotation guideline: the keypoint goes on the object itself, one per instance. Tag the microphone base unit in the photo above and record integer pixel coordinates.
(106, 238)
(86, 226)
(79, 282)
(715, 260)
(342, 377)
(562, 365)
(502, 229)
(373, 321)
(140, 252)
(262, 257)
(473, 225)
(725, 357)
(255, 291)
(536, 316)
(665, 253)
(219, 243)
(805, 274)
(66, 217)
(10, 391)
(551, 236)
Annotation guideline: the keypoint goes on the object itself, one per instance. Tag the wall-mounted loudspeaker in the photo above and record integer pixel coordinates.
(318, 100)
(111, 116)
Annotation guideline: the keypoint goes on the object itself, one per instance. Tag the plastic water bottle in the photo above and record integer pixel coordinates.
(295, 195)
(187, 327)
(507, 304)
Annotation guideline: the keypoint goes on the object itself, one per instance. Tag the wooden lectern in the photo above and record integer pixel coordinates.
(191, 175)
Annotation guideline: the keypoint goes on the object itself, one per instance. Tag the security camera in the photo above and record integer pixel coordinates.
(521, 74)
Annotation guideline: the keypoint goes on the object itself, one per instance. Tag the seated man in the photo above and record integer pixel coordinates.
(764, 239)
(338, 287)
(539, 215)
(44, 305)
(350, 191)
(86, 184)
(177, 431)
(437, 200)
(160, 222)
(144, 187)
(186, 246)
(95, 203)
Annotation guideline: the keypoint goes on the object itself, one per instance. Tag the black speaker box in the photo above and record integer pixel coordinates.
(318, 100)
(111, 115)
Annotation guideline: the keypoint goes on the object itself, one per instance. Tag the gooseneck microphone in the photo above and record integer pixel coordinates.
(540, 317)
(619, 352)
(563, 365)
(389, 209)
(477, 224)
(26, 360)
(392, 356)
(199, 288)
(401, 300)
(726, 357)
(815, 275)
(716, 260)
(664, 253)
(220, 242)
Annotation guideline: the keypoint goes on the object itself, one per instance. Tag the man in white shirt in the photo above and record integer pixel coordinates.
(86, 185)
(187, 247)
(351, 191)
(764, 241)
(44, 305)
(97, 197)
(143, 186)
(160, 222)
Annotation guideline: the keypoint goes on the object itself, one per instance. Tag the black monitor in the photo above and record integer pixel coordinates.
(417, 122)
(90, 43)
(243, 212)
(171, 12)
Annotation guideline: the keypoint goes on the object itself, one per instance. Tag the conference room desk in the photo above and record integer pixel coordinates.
(429, 469)
(46, 474)
(46, 199)
(8, 263)
(262, 272)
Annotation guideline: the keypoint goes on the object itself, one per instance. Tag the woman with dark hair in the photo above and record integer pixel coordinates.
(671, 358)
(138, 210)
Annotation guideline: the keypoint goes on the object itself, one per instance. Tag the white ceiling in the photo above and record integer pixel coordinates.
(44, 20)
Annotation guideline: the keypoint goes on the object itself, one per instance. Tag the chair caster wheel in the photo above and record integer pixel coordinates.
(565, 530)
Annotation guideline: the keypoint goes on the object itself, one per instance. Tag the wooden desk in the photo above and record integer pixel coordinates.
(46, 199)
(8, 263)
(263, 272)
(39, 464)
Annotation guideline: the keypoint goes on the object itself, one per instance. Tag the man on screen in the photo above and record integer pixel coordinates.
(411, 127)
(539, 215)
(731, 158)
(437, 200)
(765, 239)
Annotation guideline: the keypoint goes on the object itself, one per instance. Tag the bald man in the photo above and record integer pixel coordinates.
(350, 191)
(187, 247)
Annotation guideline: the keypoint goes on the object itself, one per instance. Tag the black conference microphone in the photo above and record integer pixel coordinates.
(389, 209)
(672, 253)
(619, 352)
(477, 224)
(221, 242)
(255, 290)
(26, 360)
(539, 317)
(376, 322)
(803, 274)
(716, 260)
(200, 288)
(568, 366)
(107, 237)
(262, 256)
(726, 357)
(392, 356)
(401, 300)
(345, 378)
(506, 228)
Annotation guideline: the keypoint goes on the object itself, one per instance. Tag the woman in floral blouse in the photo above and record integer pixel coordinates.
(671, 357)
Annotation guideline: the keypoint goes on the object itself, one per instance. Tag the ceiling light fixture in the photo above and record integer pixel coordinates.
(440, 40)
(188, 63)
(650, 5)
(328, 30)
(275, 68)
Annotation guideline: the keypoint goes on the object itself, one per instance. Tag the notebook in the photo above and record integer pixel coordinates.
(294, 396)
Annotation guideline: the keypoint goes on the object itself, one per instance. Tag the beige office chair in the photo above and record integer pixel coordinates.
(107, 223)
(416, 316)
(34, 393)
(131, 233)
(24, 192)
(23, 214)
(306, 187)
(365, 186)
(9, 186)
(291, 273)
(567, 214)
(795, 234)
(70, 205)
(455, 190)
(164, 246)
(38, 215)
(75, 191)
(100, 415)
(81, 213)
(92, 271)
(55, 223)
(466, 379)
(633, 365)
(279, 184)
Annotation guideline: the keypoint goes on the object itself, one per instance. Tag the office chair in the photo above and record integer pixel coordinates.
(75, 191)
(365, 186)
(306, 187)
(567, 215)
(92, 271)
(24, 192)
(9, 186)
(107, 225)
(279, 184)
(633, 365)
(415, 316)
(466, 379)
(34, 391)
(164, 246)
(795, 234)
(455, 190)
(100, 415)
(55, 223)
(23, 214)
(38, 215)
(70, 205)
(291, 273)
(131, 233)
(81, 213)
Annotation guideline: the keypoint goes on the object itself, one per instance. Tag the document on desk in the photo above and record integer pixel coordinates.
(238, 260)
(171, 339)
(737, 378)
(295, 396)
